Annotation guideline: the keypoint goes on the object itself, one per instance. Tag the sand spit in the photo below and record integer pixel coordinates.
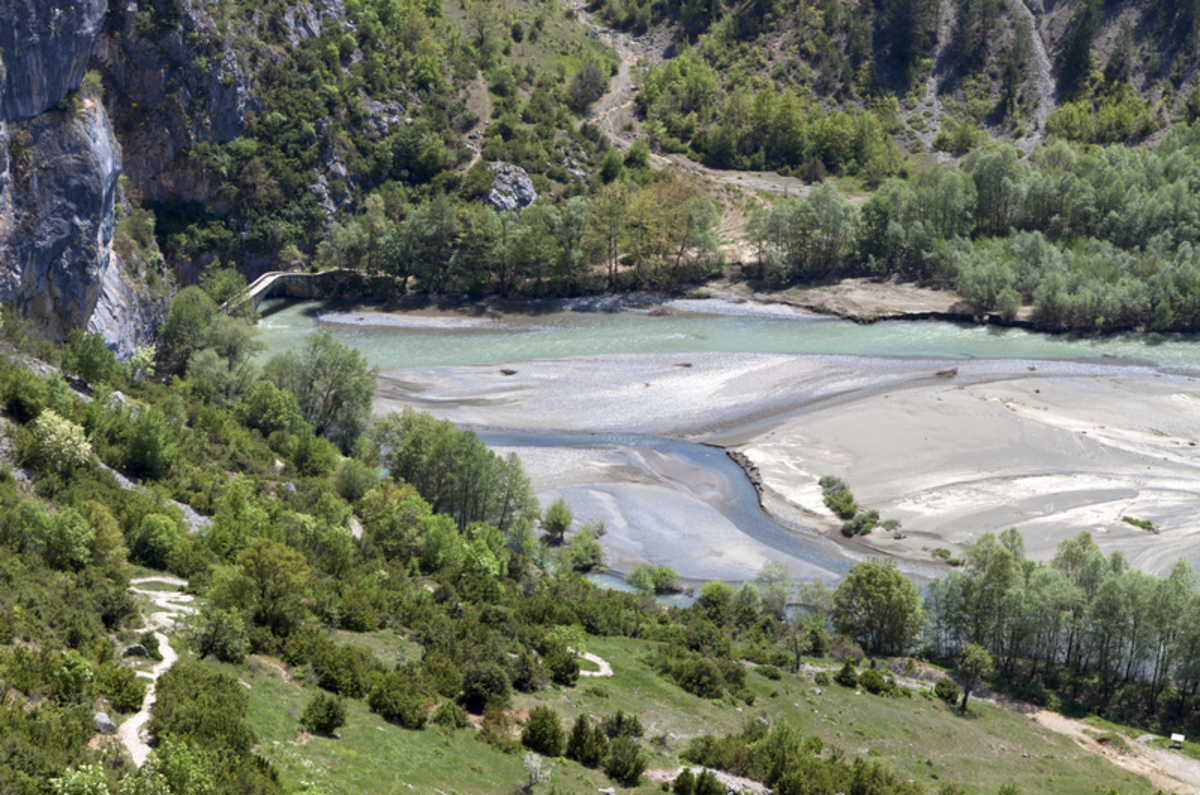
(1050, 447)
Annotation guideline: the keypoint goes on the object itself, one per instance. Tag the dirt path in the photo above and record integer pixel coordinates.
(1165, 770)
(605, 668)
(616, 108)
(1044, 86)
(172, 604)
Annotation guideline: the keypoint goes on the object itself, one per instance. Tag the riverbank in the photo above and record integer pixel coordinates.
(1052, 448)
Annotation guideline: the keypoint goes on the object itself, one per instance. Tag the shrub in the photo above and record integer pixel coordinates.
(874, 682)
(707, 783)
(324, 714)
(862, 523)
(60, 444)
(25, 394)
(398, 700)
(625, 762)
(221, 633)
(822, 679)
(946, 690)
(587, 744)
(88, 357)
(847, 677)
(685, 782)
(484, 684)
(450, 716)
(621, 724)
(543, 733)
(837, 497)
(121, 685)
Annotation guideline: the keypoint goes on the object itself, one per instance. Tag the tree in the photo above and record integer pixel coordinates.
(625, 762)
(976, 663)
(557, 519)
(88, 357)
(221, 633)
(60, 444)
(324, 714)
(543, 733)
(269, 585)
(587, 86)
(878, 607)
(332, 383)
(605, 222)
(191, 312)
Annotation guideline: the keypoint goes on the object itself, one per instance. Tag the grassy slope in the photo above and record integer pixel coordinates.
(919, 738)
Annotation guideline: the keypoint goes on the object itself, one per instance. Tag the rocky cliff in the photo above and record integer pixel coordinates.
(59, 166)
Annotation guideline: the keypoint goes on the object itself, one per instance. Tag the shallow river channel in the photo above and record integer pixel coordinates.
(653, 481)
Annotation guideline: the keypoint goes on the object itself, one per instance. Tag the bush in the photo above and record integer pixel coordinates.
(60, 444)
(838, 497)
(88, 357)
(485, 684)
(770, 672)
(398, 700)
(625, 762)
(221, 633)
(847, 677)
(587, 744)
(324, 714)
(620, 724)
(862, 524)
(707, 783)
(822, 679)
(543, 733)
(121, 686)
(25, 394)
(946, 690)
(685, 782)
(874, 682)
(450, 716)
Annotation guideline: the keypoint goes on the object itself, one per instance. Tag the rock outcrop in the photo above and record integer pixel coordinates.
(512, 189)
(56, 214)
(46, 47)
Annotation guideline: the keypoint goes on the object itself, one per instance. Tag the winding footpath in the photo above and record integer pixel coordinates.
(172, 604)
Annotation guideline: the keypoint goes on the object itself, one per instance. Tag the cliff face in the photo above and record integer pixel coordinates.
(46, 46)
(59, 165)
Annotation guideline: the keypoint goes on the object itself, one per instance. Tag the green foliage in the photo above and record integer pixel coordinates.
(450, 716)
(543, 733)
(1144, 524)
(626, 762)
(24, 394)
(485, 684)
(862, 523)
(181, 333)
(399, 698)
(847, 676)
(946, 689)
(121, 686)
(878, 606)
(583, 552)
(323, 714)
(838, 497)
(200, 705)
(557, 519)
(86, 355)
(220, 633)
(60, 445)
(653, 579)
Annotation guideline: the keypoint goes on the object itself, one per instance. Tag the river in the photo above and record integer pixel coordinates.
(576, 411)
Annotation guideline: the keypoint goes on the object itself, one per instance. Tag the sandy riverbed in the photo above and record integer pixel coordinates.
(1052, 448)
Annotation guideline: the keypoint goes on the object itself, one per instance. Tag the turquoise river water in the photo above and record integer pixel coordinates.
(552, 333)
